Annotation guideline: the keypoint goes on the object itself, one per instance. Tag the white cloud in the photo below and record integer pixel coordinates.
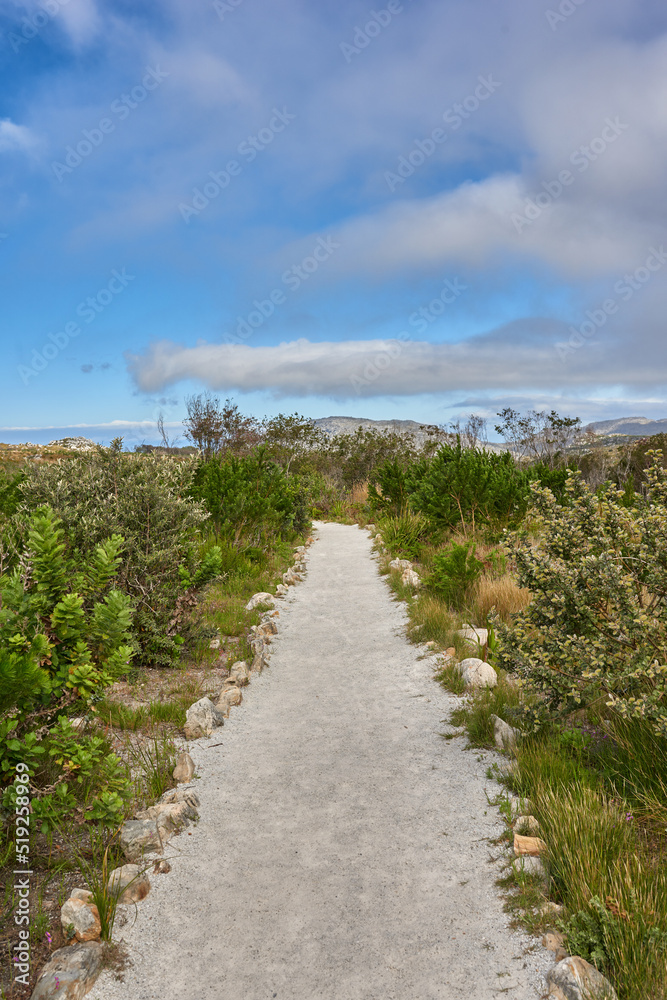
(511, 358)
(15, 138)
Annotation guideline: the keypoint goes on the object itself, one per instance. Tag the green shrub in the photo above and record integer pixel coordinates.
(455, 572)
(595, 632)
(404, 534)
(250, 497)
(145, 499)
(60, 612)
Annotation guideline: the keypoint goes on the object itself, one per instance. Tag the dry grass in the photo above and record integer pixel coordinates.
(359, 493)
(502, 593)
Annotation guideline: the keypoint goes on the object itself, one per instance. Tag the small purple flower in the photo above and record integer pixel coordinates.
(48, 937)
(628, 817)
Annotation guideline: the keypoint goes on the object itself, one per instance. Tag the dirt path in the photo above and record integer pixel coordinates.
(341, 852)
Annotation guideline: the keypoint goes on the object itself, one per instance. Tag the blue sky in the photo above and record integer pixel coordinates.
(404, 210)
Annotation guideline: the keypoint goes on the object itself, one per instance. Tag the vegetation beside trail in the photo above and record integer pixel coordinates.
(123, 584)
(570, 581)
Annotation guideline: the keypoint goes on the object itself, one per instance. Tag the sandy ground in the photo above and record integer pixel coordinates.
(343, 848)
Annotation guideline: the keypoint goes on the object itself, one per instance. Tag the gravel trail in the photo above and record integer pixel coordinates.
(343, 847)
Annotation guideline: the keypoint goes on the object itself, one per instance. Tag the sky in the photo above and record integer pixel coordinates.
(417, 209)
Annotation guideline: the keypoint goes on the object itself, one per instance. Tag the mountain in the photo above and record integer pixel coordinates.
(349, 425)
(632, 426)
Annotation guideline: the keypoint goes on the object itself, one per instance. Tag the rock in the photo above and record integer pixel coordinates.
(281, 590)
(239, 673)
(260, 661)
(228, 698)
(378, 538)
(214, 644)
(528, 865)
(519, 806)
(506, 736)
(185, 768)
(201, 719)
(401, 564)
(528, 845)
(129, 883)
(431, 644)
(474, 636)
(411, 579)
(551, 909)
(78, 723)
(138, 836)
(370, 527)
(83, 894)
(173, 811)
(299, 550)
(575, 979)
(262, 598)
(552, 941)
(269, 628)
(526, 823)
(560, 954)
(477, 673)
(161, 868)
(83, 917)
(70, 973)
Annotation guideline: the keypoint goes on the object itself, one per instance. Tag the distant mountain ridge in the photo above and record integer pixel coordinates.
(632, 426)
(349, 425)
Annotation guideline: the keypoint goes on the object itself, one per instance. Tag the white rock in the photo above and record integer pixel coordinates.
(129, 883)
(526, 823)
(477, 673)
(505, 735)
(281, 590)
(262, 598)
(201, 719)
(474, 636)
(575, 979)
(239, 673)
(411, 579)
(529, 865)
(83, 917)
(401, 564)
(214, 644)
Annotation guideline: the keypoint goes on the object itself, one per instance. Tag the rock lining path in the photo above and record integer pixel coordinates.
(342, 851)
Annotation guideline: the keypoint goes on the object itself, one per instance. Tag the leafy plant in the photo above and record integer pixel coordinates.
(455, 571)
(143, 499)
(595, 632)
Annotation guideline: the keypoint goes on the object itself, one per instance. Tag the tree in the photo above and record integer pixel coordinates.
(290, 437)
(473, 432)
(214, 429)
(539, 436)
(203, 424)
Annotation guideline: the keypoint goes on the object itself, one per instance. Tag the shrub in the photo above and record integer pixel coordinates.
(59, 612)
(454, 573)
(145, 499)
(596, 629)
(250, 497)
(404, 534)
